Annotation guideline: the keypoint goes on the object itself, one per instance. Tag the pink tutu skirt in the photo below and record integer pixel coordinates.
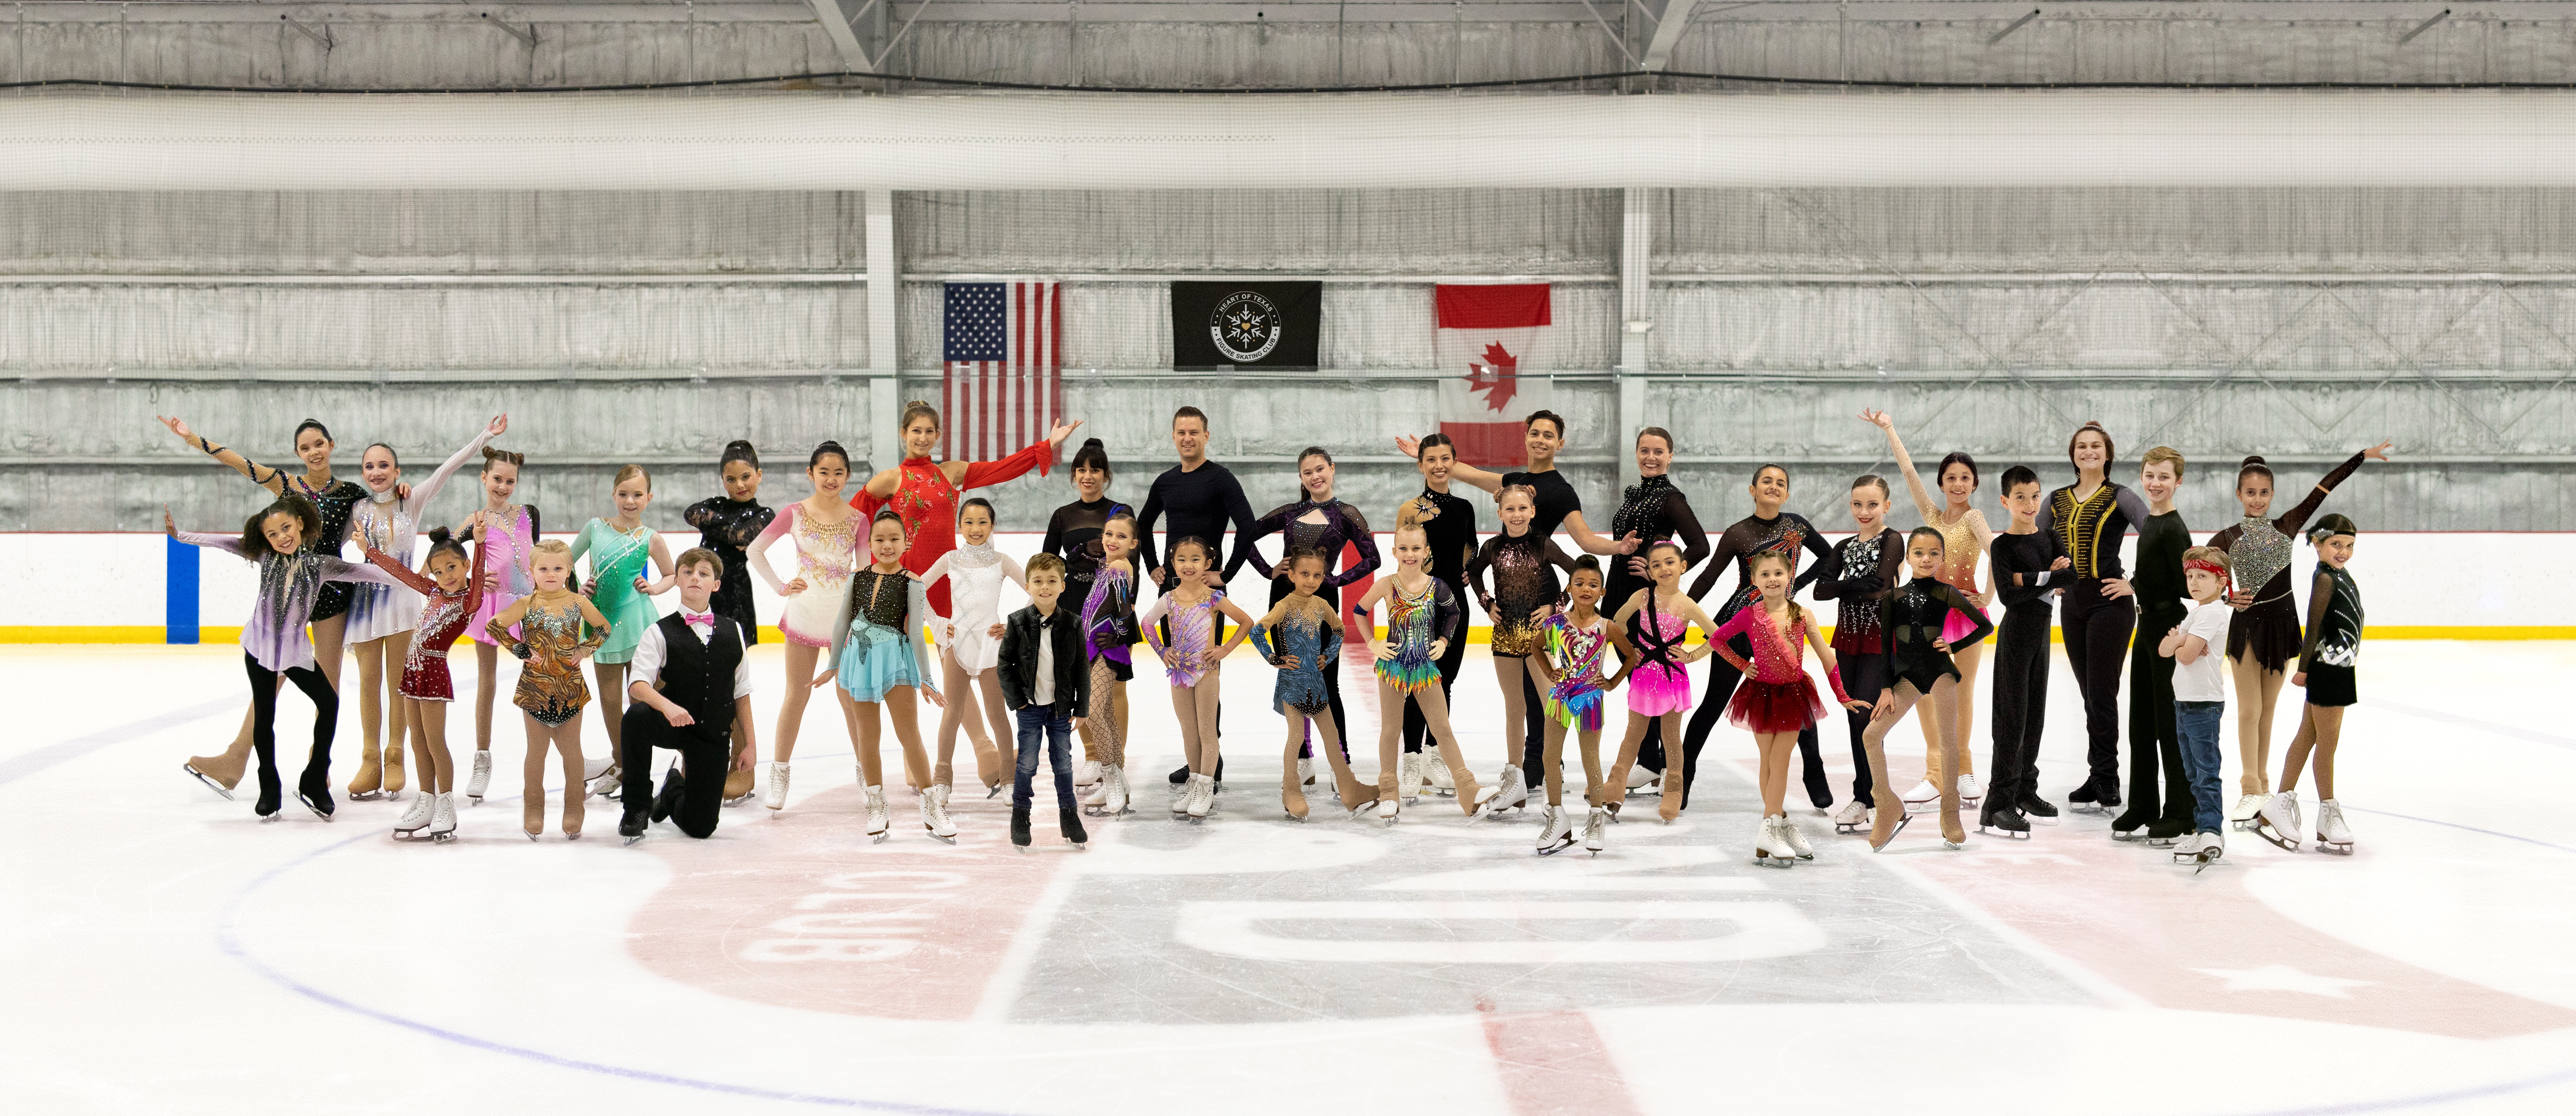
(1956, 627)
(1775, 706)
(1656, 689)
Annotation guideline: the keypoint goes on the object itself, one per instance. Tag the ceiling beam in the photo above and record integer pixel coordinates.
(1671, 17)
(847, 31)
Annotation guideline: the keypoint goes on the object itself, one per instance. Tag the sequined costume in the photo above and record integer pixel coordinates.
(1776, 695)
(1658, 682)
(973, 574)
(333, 502)
(617, 558)
(290, 591)
(1524, 568)
(1655, 511)
(442, 618)
(1193, 627)
(876, 642)
(550, 644)
(506, 548)
(1306, 630)
(1073, 534)
(928, 504)
(1916, 615)
(1324, 526)
(2258, 557)
(1413, 623)
(728, 526)
(2096, 627)
(1576, 653)
(1962, 543)
(2333, 645)
(381, 522)
(826, 553)
(1109, 621)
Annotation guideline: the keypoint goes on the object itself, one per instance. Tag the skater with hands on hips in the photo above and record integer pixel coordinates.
(551, 630)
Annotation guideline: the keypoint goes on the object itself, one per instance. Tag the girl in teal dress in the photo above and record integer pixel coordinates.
(619, 547)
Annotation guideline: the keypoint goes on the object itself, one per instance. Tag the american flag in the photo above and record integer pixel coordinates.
(1002, 345)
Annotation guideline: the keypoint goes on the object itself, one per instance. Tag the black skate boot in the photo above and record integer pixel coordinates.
(1180, 775)
(2164, 831)
(2035, 806)
(1020, 827)
(672, 788)
(631, 825)
(271, 799)
(1069, 820)
(2002, 821)
(314, 791)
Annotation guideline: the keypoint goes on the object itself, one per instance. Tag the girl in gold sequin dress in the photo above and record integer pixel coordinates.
(557, 630)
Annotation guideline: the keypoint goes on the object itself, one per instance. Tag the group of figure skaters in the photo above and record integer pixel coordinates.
(910, 551)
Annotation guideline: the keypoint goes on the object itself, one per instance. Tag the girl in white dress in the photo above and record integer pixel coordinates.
(970, 646)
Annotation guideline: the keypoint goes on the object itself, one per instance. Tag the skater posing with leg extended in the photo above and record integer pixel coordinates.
(1524, 565)
(1861, 577)
(1767, 530)
(2200, 695)
(2030, 567)
(291, 577)
(878, 655)
(1047, 684)
(1449, 522)
(331, 501)
(1572, 646)
(1191, 658)
(827, 540)
(1421, 619)
(2088, 517)
(1302, 636)
(1777, 699)
(691, 686)
(619, 547)
(2326, 672)
(2158, 584)
(1109, 629)
(1964, 539)
(505, 535)
(1649, 630)
(726, 526)
(970, 646)
(1073, 534)
(2266, 632)
(381, 617)
(1919, 663)
(454, 594)
(551, 630)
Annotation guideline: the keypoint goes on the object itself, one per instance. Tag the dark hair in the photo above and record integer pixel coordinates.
(695, 555)
(829, 448)
(310, 424)
(1956, 458)
(1585, 564)
(513, 460)
(2333, 523)
(2018, 476)
(978, 502)
(1660, 544)
(254, 541)
(1312, 451)
(440, 539)
(1434, 438)
(1191, 412)
(1298, 554)
(2108, 451)
(884, 514)
(1783, 557)
(1654, 432)
(916, 409)
(1205, 551)
(1551, 416)
(2253, 464)
(1093, 455)
(1926, 533)
(1866, 479)
(1784, 473)
(739, 450)
(388, 448)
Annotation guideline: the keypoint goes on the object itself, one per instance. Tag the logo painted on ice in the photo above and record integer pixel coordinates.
(1245, 327)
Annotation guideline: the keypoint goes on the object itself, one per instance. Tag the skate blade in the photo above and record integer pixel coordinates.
(1294, 817)
(1774, 861)
(528, 835)
(1850, 827)
(1552, 850)
(1023, 850)
(991, 791)
(267, 818)
(2337, 850)
(318, 812)
(2022, 835)
(2124, 835)
(442, 838)
(209, 781)
(737, 800)
(878, 837)
(406, 834)
(630, 841)
(2162, 842)
(1951, 845)
(473, 800)
(1197, 819)
(943, 840)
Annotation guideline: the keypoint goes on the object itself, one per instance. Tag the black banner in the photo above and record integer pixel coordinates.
(1245, 325)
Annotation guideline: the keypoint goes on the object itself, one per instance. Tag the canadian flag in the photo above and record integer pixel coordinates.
(1495, 345)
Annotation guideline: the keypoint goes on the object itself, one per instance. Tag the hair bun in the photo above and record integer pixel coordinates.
(743, 444)
(916, 403)
(2250, 461)
(1093, 443)
(439, 535)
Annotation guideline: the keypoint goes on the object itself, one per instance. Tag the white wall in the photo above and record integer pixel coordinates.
(2438, 580)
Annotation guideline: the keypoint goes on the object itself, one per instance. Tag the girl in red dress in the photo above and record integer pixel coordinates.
(453, 595)
(925, 493)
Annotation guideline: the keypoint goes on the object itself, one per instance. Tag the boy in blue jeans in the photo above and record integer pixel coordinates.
(2198, 647)
(1045, 680)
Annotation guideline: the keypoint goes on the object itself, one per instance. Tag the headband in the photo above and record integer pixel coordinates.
(2225, 587)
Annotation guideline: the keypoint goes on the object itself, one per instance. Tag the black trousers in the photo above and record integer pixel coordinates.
(2097, 640)
(2020, 671)
(1332, 595)
(1722, 680)
(2155, 748)
(1865, 676)
(705, 759)
(1449, 662)
(316, 779)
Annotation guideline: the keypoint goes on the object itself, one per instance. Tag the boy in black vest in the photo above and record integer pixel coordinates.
(1046, 679)
(690, 687)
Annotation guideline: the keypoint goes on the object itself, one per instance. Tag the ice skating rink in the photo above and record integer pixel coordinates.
(167, 954)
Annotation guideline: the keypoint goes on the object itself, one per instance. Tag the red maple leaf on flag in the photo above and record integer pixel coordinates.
(1496, 377)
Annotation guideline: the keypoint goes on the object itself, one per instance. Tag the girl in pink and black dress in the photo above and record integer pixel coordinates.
(453, 596)
(1649, 629)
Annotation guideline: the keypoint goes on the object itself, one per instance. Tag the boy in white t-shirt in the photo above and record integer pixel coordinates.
(2198, 647)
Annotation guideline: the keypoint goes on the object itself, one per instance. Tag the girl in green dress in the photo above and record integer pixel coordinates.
(619, 548)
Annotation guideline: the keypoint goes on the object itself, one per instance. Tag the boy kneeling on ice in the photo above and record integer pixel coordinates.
(691, 685)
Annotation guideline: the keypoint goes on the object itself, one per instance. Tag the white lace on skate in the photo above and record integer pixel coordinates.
(2330, 827)
(1594, 827)
(417, 816)
(482, 777)
(1853, 816)
(775, 795)
(442, 818)
(878, 818)
(1797, 840)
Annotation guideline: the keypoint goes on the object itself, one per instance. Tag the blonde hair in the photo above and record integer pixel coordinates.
(1524, 491)
(552, 546)
(2162, 453)
(633, 471)
(2209, 554)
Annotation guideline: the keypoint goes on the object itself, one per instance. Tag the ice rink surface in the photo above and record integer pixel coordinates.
(167, 954)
